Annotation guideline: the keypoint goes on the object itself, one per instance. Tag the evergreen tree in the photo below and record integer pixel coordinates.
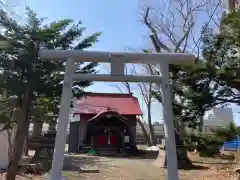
(29, 77)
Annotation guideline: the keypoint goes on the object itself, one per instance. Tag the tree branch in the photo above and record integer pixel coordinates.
(156, 39)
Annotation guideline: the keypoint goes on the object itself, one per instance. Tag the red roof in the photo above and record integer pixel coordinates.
(94, 103)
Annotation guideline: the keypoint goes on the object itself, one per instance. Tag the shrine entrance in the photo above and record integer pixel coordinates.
(109, 134)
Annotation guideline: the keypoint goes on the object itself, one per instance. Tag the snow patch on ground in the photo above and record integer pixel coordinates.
(153, 148)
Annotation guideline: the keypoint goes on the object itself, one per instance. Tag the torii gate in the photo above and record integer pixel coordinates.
(117, 62)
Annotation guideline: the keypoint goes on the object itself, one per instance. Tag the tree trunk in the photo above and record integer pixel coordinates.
(146, 136)
(201, 125)
(151, 133)
(26, 145)
(151, 128)
(52, 126)
(37, 129)
(22, 128)
(10, 143)
(26, 141)
(183, 161)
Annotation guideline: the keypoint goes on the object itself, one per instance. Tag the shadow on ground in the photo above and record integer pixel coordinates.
(212, 162)
(221, 159)
(195, 167)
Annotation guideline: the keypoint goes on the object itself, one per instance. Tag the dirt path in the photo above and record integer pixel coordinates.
(114, 169)
(132, 169)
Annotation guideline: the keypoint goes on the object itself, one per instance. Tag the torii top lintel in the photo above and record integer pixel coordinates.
(138, 58)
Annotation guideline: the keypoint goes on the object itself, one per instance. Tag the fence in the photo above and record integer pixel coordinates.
(233, 145)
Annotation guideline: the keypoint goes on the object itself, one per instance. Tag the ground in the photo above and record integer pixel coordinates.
(116, 168)
(121, 168)
(143, 169)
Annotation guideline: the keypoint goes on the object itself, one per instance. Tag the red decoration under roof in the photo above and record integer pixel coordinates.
(94, 103)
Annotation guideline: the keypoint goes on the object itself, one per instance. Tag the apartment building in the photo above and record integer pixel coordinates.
(217, 118)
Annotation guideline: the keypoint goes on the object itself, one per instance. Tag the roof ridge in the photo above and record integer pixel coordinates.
(108, 94)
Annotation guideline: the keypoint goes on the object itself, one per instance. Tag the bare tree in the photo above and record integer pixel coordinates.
(145, 133)
(150, 138)
(175, 26)
(178, 28)
(146, 93)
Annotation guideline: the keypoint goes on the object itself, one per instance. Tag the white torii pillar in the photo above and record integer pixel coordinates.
(117, 61)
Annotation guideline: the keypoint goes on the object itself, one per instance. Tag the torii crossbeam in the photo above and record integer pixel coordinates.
(117, 61)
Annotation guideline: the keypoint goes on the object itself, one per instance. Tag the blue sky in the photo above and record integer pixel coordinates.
(119, 22)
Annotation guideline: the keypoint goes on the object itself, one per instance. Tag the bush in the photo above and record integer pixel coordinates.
(209, 146)
(206, 145)
(191, 142)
